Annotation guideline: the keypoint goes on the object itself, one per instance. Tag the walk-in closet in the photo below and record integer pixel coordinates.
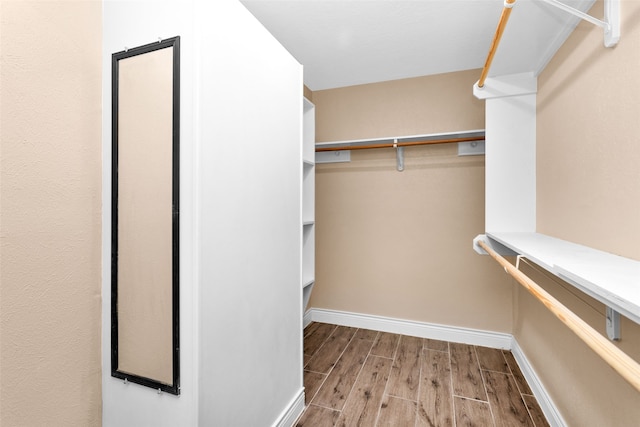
(318, 213)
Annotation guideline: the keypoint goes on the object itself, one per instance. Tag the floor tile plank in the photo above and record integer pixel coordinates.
(324, 359)
(336, 388)
(472, 413)
(517, 373)
(492, 359)
(395, 412)
(438, 345)
(310, 328)
(363, 404)
(359, 370)
(366, 334)
(385, 345)
(312, 383)
(465, 372)
(435, 402)
(405, 371)
(535, 411)
(315, 416)
(505, 399)
(315, 335)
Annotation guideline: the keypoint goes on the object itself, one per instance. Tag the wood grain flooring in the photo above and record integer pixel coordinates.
(359, 377)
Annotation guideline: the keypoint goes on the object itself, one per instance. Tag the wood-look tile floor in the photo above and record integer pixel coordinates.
(358, 377)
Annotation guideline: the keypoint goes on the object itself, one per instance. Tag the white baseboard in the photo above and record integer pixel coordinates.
(306, 319)
(410, 327)
(291, 413)
(544, 400)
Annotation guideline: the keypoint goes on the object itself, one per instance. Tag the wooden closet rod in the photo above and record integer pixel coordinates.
(628, 368)
(506, 12)
(400, 144)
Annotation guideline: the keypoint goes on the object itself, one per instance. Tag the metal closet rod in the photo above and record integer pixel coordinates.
(400, 144)
(627, 367)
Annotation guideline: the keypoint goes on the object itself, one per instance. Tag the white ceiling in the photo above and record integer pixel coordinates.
(350, 42)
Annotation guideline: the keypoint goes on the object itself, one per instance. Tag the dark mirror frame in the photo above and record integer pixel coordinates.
(116, 57)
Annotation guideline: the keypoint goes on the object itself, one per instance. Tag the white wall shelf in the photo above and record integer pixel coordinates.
(475, 147)
(308, 254)
(610, 279)
(309, 133)
(308, 191)
(308, 202)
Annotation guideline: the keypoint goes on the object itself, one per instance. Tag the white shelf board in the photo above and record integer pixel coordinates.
(308, 222)
(611, 279)
(308, 281)
(307, 105)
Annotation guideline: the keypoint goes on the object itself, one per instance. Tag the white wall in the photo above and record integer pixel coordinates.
(131, 24)
(249, 212)
(240, 296)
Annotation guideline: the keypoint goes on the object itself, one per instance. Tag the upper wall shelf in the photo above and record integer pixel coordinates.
(525, 16)
(470, 143)
(611, 279)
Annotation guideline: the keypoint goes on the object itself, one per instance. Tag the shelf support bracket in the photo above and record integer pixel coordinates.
(399, 155)
(613, 324)
(610, 25)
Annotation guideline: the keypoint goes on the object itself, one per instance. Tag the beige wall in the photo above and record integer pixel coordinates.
(585, 390)
(588, 122)
(399, 244)
(50, 218)
(588, 191)
(307, 93)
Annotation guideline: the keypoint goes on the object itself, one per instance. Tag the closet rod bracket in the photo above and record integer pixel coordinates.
(610, 24)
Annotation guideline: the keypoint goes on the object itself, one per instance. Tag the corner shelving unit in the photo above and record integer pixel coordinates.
(308, 201)
(510, 206)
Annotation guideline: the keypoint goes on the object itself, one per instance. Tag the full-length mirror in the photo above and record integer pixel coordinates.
(145, 215)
